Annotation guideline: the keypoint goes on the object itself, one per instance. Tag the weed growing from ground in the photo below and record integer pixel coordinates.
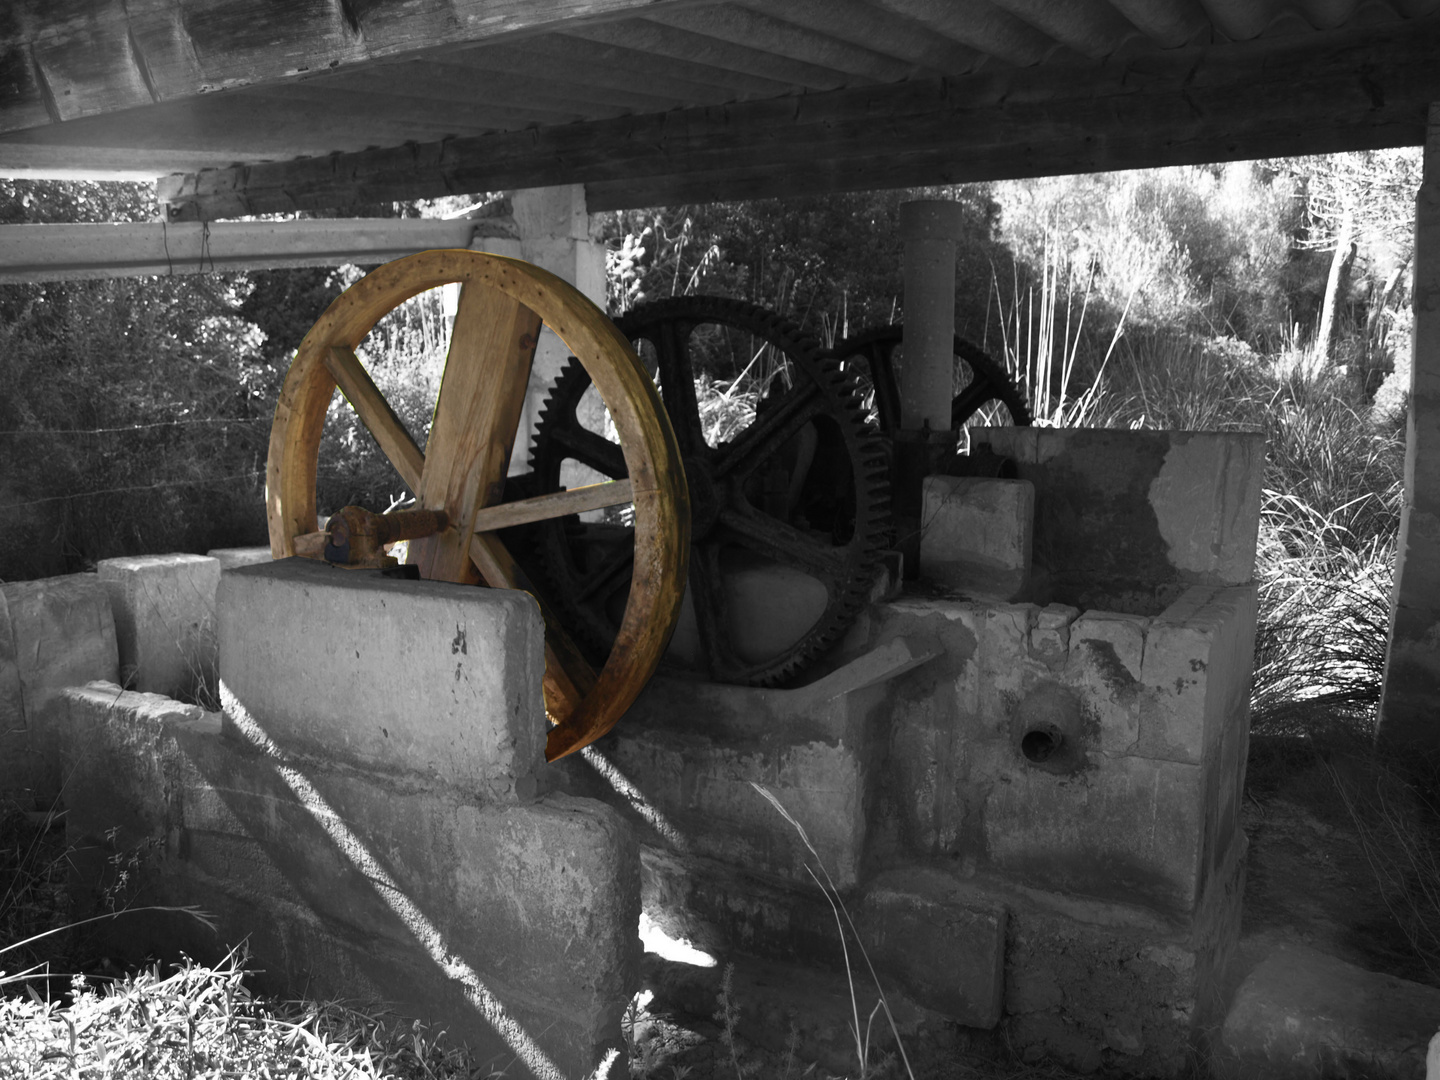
(837, 906)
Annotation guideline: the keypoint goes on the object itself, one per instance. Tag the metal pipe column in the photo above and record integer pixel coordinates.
(930, 230)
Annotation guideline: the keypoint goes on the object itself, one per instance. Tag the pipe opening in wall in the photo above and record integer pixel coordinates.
(1039, 743)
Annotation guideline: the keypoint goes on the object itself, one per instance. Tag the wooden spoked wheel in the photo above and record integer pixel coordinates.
(503, 304)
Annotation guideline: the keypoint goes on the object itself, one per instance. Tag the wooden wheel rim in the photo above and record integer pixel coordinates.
(652, 457)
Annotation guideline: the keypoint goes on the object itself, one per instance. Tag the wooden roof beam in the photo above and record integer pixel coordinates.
(1271, 96)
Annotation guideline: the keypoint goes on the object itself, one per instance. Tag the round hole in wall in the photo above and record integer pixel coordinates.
(1039, 743)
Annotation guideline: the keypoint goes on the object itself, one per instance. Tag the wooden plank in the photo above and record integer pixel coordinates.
(557, 504)
(1321, 93)
(109, 55)
(476, 415)
(376, 414)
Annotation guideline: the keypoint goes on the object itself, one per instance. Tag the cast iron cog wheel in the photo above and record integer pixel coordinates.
(989, 381)
(788, 489)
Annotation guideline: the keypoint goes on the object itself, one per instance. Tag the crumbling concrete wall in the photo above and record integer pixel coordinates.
(1045, 795)
(371, 811)
(164, 608)
(54, 633)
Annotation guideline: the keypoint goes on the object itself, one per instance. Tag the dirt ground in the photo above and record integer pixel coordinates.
(1309, 880)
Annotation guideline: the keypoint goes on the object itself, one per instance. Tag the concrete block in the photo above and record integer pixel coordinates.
(1199, 656)
(230, 558)
(1050, 636)
(54, 633)
(1104, 663)
(949, 955)
(1125, 520)
(702, 786)
(164, 609)
(1103, 990)
(976, 535)
(1126, 828)
(1302, 1014)
(426, 677)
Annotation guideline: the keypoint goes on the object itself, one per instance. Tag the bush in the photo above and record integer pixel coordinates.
(137, 421)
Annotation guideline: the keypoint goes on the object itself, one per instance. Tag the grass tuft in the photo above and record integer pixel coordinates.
(203, 1022)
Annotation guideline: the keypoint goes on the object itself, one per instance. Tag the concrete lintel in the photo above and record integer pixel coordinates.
(65, 252)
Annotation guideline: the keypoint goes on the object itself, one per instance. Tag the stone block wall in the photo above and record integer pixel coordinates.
(369, 839)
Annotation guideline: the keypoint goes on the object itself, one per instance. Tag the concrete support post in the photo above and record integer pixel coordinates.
(1410, 705)
(556, 233)
(930, 230)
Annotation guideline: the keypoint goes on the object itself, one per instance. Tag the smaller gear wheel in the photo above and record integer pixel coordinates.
(988, 381)
(788, 490)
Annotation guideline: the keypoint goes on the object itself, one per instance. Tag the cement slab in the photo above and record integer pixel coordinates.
(1302, 1015)
(424, 677)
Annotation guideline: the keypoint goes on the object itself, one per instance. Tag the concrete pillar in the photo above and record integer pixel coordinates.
(556, 233)
(1410, 705)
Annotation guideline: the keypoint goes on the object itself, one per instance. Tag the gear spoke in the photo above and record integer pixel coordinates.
(784, 543)
(603, 582)
(707, 597)
(592, 449)
(772, 429)
(989, 382)
(968, 402)
(677, 383)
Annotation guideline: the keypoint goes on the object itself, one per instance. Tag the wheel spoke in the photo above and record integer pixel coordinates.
(772, 428)
(784, 543)
(476, 417)
(554, 505)
(592, 449)
(376, 414)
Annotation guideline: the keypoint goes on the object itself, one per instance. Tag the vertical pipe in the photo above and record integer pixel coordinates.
(1412, 662)
(930, 230)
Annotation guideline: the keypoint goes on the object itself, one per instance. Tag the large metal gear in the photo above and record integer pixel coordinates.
(792, 496)
(987, 383)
